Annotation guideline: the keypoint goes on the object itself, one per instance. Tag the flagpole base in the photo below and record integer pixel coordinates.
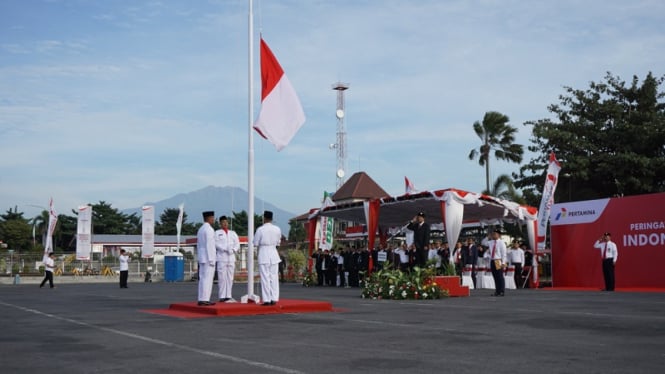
(246, 298)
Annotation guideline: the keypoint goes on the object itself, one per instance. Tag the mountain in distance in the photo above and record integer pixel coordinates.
(222, 200)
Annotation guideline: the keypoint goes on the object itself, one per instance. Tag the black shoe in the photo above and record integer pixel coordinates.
(205, 303)
(273, 303)
(223, 300)
(267, 303)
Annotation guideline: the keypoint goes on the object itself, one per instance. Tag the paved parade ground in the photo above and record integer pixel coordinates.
(100, 328)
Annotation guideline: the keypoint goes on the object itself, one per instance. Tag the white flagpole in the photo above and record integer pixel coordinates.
(250, 169)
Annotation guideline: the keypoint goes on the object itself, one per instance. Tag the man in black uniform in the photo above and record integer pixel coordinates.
(420, 230)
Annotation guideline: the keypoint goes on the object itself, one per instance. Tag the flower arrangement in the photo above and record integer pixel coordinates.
(393, 284)
(309, 279)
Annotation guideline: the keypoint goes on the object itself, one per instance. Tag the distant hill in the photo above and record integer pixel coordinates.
(223, 200)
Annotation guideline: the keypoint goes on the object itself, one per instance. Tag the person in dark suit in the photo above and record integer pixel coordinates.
(421, 232)
(318, 263)
(470, 257)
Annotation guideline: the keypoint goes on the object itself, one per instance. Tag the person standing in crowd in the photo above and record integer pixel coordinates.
(206, 256)
(267, 238)
(516, 257)
(282, 266)
(380, 257)
(318, 266)
(124, 268)
(497, 255)
(340, 268)
(49, 266)
(403, 256)
(421, 231)
(227, 244)
(433, 254)
(470, 255)
(457, 258)
(609, 254)
(331, 268)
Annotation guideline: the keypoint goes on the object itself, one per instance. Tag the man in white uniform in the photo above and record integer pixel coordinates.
(206, 256)
(267, 238)
(227, 244)
(124, 268)
(49, 266)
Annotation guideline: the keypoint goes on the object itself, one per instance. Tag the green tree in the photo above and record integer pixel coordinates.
(239, 222)
(504, 188)
(496, 136)
(167, 223)
(108, 220)
(15, 230)
(297, 231)
(609, 138)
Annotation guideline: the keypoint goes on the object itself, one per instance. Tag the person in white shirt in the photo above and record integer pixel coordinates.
(206, 256)
(516, 256)
(609, 254)
(227, 244)
(497, 255)
(49, 266)
(267, 238)
(124, 268)
(403, 257)
(433, 254)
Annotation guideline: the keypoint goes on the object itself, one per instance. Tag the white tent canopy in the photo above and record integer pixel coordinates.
(451, 206)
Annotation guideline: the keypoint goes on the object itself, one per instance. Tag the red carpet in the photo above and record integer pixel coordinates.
(622, 289)
(192, 310)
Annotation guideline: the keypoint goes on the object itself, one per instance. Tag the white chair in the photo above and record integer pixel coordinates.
(466, 277)
(488, 279)
(509, 276)
(480, 277)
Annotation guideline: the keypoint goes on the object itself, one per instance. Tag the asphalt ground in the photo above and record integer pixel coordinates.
(100, 328)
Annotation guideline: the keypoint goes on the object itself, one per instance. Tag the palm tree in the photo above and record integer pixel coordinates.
(498, 136)
(504, 188)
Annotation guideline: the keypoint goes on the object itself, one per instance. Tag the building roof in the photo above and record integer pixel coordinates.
(359, 187)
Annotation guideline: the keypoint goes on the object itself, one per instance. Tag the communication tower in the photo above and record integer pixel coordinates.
(340, 146)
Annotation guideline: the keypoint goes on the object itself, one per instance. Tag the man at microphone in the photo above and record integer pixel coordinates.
(421, 231)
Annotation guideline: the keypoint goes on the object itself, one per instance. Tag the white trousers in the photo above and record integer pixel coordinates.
(269, 282)
(206, 277)
(225, 272)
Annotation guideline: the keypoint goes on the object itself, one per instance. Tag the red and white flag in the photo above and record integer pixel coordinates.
(408, 187)
(548, 199)
(52, 220)
(281, 114)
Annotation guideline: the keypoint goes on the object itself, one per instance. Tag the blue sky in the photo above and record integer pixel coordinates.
(136, 101)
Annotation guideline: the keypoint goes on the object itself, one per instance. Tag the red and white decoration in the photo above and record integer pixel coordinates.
(281, 113)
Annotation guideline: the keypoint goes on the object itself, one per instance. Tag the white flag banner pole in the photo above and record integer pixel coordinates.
(84, 232)
(52, 220)
(250, 167)
(547, 200)
(148, 231)
(178, 224)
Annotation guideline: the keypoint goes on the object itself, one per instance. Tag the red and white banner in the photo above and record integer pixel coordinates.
(636, 225)
(148, 231)
(52, 220)
(547, 200)
(281, 113)
(84, 233)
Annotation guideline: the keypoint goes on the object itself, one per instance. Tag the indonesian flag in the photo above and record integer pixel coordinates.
(281, 113)
(408, 187)
(548, 199)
